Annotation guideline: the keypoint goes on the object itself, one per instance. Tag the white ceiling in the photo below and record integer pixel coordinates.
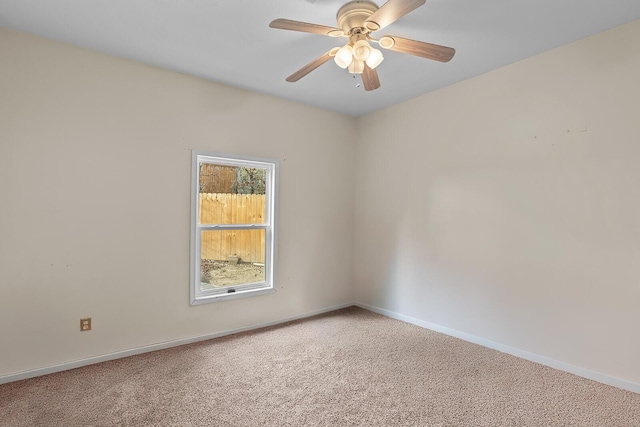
(229, 41)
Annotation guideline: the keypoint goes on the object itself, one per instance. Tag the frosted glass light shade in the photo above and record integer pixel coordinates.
(361, 50)
(356, 67)
(344, 56)
(374, 59)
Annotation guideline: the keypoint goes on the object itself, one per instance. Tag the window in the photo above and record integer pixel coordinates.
(232, 226)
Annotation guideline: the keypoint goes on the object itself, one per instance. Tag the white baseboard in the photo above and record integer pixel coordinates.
(154, 347)
(552, 363)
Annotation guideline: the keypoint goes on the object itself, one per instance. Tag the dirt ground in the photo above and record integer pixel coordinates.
(216, 274)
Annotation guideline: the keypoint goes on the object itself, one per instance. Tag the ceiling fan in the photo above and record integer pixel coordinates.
(356, 21)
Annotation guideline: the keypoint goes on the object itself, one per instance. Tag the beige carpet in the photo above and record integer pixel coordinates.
(346, 368)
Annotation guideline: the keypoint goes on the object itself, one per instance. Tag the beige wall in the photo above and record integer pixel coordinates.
(508, 206)
(95, 158)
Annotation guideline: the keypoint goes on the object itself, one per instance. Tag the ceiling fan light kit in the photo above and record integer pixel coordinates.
(356, 20)
(357, 56)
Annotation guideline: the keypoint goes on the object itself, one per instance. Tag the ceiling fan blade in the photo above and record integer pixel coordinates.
(425, 50)
(390, 12)
(309, 67)
(305, 27)
(370, 79)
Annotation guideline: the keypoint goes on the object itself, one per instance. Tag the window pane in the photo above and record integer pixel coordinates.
(231, 258)
(231, 194)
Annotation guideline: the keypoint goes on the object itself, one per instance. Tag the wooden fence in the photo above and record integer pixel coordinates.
(224, 208)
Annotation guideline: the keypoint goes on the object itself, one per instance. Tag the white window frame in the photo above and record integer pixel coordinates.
(199, 296)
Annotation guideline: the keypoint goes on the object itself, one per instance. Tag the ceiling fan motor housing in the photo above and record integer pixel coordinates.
(353, 14)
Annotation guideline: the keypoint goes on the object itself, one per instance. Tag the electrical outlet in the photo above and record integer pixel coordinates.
(85, 324)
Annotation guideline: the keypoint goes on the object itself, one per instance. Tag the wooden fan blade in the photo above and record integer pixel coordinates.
(425, 50)
(390, 12)
(370, 78)
(305, 27)
(309, 67)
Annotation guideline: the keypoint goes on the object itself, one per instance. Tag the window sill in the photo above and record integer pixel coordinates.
(225, 297)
